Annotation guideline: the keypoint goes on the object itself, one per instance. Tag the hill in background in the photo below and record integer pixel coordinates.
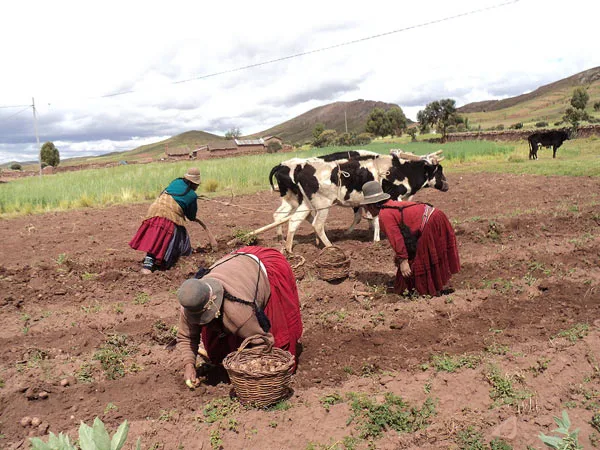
(547, 103)
(333, 116)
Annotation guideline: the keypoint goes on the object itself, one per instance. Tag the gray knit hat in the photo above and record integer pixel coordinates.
(373, 193)
(202, 299)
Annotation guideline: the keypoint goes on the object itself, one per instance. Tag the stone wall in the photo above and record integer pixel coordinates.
(514, 135)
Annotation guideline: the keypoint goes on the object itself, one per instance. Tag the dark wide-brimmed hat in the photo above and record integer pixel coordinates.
(193, 175)
(373, 193)
(202, 299)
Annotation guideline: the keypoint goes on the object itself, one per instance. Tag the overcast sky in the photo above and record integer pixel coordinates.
(70, 56)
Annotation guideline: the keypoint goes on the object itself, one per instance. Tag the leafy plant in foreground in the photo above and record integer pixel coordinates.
(569, 441)
(90, 438)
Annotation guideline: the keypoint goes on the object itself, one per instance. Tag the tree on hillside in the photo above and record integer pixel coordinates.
(397, 120)
(50, 155)
(441, 114)
(378, 123)
(597, 106)
(412, 132)
(233, 133)
(576, 112)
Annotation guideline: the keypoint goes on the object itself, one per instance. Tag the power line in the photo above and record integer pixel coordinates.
(13, 106)
(331, 47)
(13, 115)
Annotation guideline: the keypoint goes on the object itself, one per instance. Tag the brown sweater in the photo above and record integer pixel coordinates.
(238, 275)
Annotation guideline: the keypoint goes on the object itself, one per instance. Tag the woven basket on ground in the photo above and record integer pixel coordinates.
(260, 377)
(332, 264)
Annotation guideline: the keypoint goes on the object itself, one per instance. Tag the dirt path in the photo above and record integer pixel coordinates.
(530, 250)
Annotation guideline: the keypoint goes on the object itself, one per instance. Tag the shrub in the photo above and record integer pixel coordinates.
(500, 127)
(364, 138)
(597, 106)
(16, 166)
(210, 185)
(273, 147)
(517, 126)
(541, 124)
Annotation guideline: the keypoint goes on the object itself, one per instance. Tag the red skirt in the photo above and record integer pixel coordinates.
(435, 261)
(154, 236)
(283, 308)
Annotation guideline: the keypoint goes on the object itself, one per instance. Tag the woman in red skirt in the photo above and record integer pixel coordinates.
(162, 235)
(421, 236)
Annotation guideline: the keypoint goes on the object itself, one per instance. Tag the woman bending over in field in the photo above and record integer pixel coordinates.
(421, 236)
(162, 234)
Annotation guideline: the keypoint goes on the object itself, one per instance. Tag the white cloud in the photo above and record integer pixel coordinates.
(69, 54)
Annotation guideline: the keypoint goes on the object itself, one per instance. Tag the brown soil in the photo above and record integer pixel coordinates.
(530, 251)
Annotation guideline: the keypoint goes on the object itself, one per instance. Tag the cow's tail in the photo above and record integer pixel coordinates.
(274, 170)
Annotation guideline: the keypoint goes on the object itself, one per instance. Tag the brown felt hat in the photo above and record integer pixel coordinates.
(193, 174)
(373, 193)
(202, 299)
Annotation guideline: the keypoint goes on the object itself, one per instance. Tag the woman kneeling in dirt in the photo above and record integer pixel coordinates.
(421, 236)
(162, 234)
(249, 292)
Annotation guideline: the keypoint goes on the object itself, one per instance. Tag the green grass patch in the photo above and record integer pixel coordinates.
(503, 391)
(248, 174)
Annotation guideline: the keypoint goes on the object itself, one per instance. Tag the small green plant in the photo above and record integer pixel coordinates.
(540, 367)
(87, 276)
(595, 422)
(166, 416)
(394, 413)
(578, 331)
(84, 374)
(244, 236)
(470, 439)
(112, 355)
(216, 442)
(448, 363)
(282, 405)
(141, 299)
(110, 407)
(499, 444)
(329, 400)
(62, 259)
(503, 391)
(90, 438)
(219, 408)
(568, 441)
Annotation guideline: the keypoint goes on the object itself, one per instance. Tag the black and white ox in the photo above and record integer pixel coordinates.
(553, 138)
(309, 187)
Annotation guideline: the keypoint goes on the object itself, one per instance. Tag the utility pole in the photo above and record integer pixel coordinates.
(346, 121)
(36, 133)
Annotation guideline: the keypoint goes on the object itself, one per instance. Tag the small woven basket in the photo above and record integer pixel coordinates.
(297, 265)
(332, 264)
(260, 377)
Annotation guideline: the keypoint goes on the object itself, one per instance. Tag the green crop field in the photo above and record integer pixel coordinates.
(248, 174)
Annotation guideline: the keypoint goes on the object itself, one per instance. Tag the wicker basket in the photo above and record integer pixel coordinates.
(332, 264)
(255, 383)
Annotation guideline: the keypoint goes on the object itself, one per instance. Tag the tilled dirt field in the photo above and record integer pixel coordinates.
(515, 344)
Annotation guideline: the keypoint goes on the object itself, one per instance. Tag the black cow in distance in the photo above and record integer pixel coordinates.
(553, 138)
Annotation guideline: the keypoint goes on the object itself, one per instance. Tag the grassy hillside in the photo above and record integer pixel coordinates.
(547, 103)
(299, 129)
